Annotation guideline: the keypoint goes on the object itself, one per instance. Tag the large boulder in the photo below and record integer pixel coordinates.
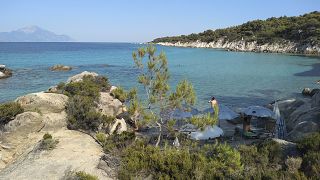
(315, 102)
(75, 151)
(43, 102)
(303, 129)
(109, 105)
(300, 116)
(79, 77)
(25, 123)
(4, 72)
(60, 67)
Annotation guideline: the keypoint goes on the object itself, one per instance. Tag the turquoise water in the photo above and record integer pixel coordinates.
(237, 79)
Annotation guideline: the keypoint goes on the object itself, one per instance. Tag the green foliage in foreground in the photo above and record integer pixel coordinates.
(8, 111)
(209, 162)
(301, 29)
(309, 147)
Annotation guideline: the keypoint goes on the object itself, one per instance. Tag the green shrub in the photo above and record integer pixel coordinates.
(8, 111)
(81, 175)
(203, 121)
(216, 161)
(78, 175)
(293, 164)
(309, 143)
(48, 142)
(82, 113)
(117, 142)
(311, 164)
(101, 137)
(120, 94)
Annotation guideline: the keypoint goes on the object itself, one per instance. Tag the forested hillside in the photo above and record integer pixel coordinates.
(303, 29)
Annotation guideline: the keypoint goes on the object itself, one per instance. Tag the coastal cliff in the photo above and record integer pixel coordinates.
(286, 47)
(296, 34)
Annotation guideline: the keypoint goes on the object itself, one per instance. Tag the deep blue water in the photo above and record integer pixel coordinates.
(237, 79)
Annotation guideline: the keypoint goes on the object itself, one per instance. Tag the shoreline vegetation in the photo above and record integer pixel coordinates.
(295, 35)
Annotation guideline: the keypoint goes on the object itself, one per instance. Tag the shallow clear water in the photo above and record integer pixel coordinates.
(237, 79)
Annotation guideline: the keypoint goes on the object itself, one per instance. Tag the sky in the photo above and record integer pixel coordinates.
(141, 20)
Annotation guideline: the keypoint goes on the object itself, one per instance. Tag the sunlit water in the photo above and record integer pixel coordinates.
(236, 79)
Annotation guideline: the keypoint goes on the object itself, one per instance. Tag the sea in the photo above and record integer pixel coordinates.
(236, 79)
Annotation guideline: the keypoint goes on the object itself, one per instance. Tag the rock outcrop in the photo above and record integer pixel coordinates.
(5, 72)
(285, 47)
(75, 151)
(109, 105)
(301, 116)
(60, 67)
(45, 112)
(79, 77)
(43, 102)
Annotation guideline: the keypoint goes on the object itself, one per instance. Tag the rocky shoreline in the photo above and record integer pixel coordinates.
(285, 47)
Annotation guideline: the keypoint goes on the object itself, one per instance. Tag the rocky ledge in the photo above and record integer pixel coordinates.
(5, 72)
(284, 47)
(46, 113)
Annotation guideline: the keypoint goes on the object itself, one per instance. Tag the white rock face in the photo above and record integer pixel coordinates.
(79, 77)
(110, 106)
(75, 151)
(119, 126)
(43, 102)
(2, 74)
(287, 47)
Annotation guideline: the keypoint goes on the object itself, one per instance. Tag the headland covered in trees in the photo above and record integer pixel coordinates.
(297, 34)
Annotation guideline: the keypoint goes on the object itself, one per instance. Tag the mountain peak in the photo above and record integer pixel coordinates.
(29, 29)
(32, 34)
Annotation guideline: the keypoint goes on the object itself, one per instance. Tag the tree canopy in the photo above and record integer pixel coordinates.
(303, 29)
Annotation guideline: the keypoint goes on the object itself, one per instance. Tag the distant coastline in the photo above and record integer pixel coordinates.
(288, 47)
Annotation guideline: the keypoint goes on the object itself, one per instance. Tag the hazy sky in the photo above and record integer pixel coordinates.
(141, 20)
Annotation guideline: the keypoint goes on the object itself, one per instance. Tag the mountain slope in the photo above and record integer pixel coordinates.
(32, 34)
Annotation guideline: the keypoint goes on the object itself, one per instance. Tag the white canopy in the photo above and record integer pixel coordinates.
(257, 111)
(208, 133)
(225, 113)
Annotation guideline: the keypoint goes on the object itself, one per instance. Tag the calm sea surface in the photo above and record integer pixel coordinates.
(237, 79)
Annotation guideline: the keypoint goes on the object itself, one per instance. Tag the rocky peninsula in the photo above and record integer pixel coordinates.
(5, 72)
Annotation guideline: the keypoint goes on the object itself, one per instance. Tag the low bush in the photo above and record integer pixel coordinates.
(48, 142)
(8, 111)
(79, 175)
(118, 142)
(82, 113)
(120, 93)
(309, 143)
(216, 161)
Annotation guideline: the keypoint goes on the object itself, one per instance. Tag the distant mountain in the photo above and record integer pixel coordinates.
(32, 34)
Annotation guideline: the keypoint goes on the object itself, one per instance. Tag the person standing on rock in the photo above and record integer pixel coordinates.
(215, 107)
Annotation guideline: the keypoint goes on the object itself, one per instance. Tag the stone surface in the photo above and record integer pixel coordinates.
(60, 67)
(300, 116)
(75, 151)
(315, 102)
(118, 126)
(79, 77)
(110, 106)
(5, 73)
(306, 92)
(43, 102)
